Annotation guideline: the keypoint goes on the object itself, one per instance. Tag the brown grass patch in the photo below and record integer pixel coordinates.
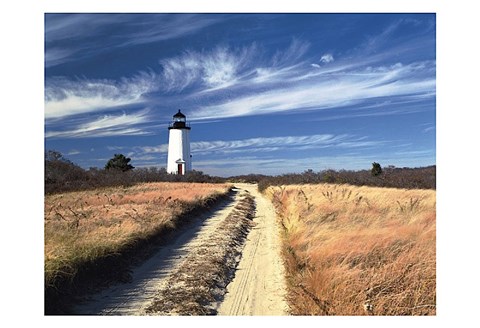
(359, 250)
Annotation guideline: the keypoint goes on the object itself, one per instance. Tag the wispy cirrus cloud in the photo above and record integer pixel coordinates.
(115, 148)
(267, 144)
(166, 27)
(106, 125)
(56, 56)
(293, 54)
(427, 127)
(224, 67)
(280, 68)
(73, 152)
(65, 97)
(129, 29)
(215, 69)
(270, 144)
(431, 128)
(154, 149)
(60, 27)
(319, 91)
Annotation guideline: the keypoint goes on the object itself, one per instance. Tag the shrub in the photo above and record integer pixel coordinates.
(376, 169)
(119, 162)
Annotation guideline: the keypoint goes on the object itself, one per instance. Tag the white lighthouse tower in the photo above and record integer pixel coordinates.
(179, 159)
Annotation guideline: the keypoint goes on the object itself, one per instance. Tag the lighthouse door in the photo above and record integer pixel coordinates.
(180, 169)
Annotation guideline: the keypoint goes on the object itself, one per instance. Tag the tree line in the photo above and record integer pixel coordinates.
(62, 175)
(390, 176)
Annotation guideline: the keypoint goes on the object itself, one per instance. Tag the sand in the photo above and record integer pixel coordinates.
(259, 284)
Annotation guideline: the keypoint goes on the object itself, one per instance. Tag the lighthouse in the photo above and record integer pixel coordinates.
(179, 159)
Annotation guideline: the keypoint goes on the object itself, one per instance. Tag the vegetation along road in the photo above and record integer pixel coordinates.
(227, 263)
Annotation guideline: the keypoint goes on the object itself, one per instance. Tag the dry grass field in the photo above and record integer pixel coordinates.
(358, 250)
(81, 227)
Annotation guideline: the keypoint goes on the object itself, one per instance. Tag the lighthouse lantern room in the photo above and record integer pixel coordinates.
(179, 159)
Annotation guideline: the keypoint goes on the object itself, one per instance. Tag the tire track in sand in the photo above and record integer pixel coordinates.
(259, 286)
(241, 292)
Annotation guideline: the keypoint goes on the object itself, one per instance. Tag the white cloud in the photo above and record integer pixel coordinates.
(65, 97)
(270, 144)
(155, 149)
(107, 125)
(141, 29)
(220, 68)
(266, 144)
(431, 128)
(293, 54)
(226, 67)
(326, 91)
(56, 56)
(161, 27)
(73, 104)
(327, 58)
(60, 27)
(216, 69)
(269, 76)
(315, 65)
(73, 152)
(112, 148)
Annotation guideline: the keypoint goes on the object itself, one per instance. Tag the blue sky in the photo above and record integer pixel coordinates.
(264, 93)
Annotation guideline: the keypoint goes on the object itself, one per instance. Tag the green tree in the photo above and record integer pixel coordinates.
(119, 162)
(376, 169)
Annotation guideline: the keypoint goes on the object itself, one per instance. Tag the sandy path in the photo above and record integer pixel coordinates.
(258, 287)
(147, 279)
(259, 284)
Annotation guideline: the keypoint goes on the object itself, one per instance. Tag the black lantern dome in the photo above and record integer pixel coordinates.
(179, 116)
(179, 121)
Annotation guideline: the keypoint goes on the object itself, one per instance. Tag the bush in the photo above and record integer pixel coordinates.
(376, 169)
(119, 162)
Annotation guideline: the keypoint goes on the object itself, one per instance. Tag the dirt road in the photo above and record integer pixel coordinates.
(259, 284)
(257, 288)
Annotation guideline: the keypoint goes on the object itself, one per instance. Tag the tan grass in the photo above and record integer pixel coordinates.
(359, 250)
(82, 226)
